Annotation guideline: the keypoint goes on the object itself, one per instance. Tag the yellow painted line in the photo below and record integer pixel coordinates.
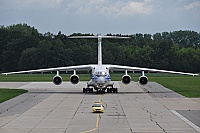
(100, 97)
(97, 125)
(97, 121)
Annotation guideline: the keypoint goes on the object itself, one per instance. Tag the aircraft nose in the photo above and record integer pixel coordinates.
(101, 80)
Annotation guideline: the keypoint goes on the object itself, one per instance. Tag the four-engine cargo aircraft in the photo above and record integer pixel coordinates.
(100, 77)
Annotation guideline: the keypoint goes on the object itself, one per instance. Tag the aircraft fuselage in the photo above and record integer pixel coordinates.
(100, 78)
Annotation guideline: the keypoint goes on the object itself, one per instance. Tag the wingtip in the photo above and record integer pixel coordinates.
(195, 75)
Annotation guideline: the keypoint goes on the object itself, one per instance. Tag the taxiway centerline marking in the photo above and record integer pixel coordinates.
(97, 121)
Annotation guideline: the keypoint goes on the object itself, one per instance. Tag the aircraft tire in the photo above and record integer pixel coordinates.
(116, 90)
(83, 90)
(103, 92)
(111, 90)
(86, 90)
(108, 90)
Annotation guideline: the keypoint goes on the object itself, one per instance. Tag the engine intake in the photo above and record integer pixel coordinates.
(57, 80)
(74, 79)
(143, 80)
(126, 79)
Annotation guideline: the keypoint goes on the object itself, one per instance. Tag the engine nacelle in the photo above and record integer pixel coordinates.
(126, 79)
(57, 80)
(143, 80)
(74, 79)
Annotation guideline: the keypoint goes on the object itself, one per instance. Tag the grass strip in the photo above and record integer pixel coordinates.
(186, 86)
(6, 94)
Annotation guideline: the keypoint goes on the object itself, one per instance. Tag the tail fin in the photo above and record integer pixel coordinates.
(99, 37)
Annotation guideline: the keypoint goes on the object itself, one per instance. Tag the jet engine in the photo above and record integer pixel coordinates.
(74, 79)
(143, 80)
(57, 80)
(126, 79)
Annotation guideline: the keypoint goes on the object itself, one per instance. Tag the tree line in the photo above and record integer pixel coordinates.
(22, 47)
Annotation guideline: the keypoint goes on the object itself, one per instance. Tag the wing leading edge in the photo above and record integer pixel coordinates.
(110, 67)
(69, 68)
(128, 68)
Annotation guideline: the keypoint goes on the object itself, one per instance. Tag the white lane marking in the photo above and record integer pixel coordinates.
(186, 120)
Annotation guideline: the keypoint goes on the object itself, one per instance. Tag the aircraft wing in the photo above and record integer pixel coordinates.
(128, 68)
(69, 68)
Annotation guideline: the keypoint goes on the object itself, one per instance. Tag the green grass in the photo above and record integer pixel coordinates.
(6, 94)
(186, 85)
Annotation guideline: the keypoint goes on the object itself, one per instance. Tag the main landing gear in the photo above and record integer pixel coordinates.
(109, 90)
(100, 91)
(112, 90)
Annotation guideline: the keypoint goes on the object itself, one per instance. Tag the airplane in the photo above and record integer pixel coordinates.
(100, 77)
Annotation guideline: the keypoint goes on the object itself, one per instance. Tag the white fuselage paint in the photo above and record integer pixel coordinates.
(100, 77)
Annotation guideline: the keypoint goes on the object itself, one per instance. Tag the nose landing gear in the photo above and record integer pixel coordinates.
(112, 90)
(86, 90)
(100, 91)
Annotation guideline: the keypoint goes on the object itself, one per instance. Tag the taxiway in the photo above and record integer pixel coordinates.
(65, 109)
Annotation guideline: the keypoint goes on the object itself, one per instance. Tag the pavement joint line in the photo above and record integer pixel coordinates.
(133, 100)
(73, 115)
(186, 120)
(124, 114)
(100, 98)
(151, 118)
(48, 113)
(97, 120)
(17, 115)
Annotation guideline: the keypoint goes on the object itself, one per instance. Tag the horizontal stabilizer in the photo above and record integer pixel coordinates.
(99, 36)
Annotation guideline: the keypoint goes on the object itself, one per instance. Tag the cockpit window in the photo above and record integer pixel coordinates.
(97, 105)
(100, 73)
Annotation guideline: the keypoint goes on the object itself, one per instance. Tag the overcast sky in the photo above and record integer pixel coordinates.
(103, 16)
